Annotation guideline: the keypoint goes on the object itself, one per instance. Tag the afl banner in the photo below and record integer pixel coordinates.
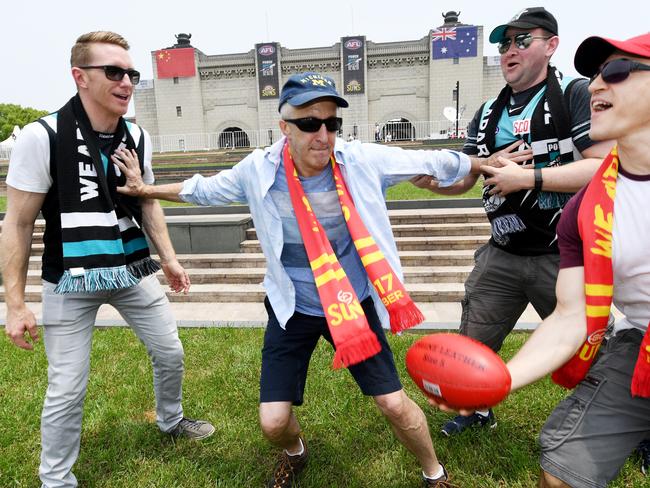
(354, 64)
(267, 70)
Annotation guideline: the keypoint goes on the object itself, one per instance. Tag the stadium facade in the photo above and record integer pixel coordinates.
(415, 89)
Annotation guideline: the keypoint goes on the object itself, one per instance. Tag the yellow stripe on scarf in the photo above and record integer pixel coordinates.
(329, 275)
(363, 243)
(322, 260)
(597, 311)
(373, 257)
(598, 290)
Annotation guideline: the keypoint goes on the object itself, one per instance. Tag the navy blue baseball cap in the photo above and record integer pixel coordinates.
(307, 87)
(528, 18)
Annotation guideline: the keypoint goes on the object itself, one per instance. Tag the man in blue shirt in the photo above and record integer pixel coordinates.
(309, 123)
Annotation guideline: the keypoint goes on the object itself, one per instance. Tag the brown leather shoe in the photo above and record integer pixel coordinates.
(287, 469)
(442, 482)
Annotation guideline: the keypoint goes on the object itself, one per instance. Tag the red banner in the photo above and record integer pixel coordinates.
(174, 63)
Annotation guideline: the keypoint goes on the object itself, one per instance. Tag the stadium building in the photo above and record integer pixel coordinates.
(405, 90)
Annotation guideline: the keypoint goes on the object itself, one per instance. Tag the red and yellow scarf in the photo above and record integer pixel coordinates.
(353, 339)
(596, 225)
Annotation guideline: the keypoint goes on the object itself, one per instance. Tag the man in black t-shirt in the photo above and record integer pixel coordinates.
(541, 119)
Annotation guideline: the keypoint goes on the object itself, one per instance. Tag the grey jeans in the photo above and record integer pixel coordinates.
(591, 433)
(499, 289)
(68, 328)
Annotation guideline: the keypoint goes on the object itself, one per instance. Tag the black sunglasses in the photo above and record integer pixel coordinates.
(115, 73)
(313, 124)
(522, 41)
(618, 70)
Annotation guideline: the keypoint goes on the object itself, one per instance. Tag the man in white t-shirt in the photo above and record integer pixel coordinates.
(95, 251)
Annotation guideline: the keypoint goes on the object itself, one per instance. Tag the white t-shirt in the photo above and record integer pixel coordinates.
(29, 166)
(630, 256)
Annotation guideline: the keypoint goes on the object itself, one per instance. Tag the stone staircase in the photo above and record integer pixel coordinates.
(436, 248)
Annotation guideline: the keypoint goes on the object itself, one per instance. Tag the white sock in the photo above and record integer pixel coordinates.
(299, 453)
(483, 413)
(439, 474)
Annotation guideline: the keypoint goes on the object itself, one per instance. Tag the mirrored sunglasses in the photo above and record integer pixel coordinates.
(618, 70)
(115, 73)
(313, 124)
(522, 41)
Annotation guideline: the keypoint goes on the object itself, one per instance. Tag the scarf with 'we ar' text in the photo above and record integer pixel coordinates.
(354, 341)
(596, 224)
(103, 245)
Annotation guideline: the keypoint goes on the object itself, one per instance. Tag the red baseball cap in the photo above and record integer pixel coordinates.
(593, 51)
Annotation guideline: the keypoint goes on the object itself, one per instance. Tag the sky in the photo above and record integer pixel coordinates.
(38, 34)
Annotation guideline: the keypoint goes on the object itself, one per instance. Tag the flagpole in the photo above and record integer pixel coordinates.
(457, 105)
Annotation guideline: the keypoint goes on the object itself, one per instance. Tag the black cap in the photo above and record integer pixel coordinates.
(528, 18)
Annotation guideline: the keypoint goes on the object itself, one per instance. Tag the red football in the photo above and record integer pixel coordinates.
(458, 371)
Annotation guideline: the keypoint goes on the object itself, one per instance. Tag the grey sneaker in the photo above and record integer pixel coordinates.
(192, 429)
(288, 468)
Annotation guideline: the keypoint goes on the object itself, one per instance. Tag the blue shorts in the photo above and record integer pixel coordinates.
(286, 355)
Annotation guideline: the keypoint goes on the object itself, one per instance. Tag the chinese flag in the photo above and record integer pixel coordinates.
(175, 62)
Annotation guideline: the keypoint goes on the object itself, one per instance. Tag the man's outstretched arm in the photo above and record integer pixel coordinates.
(508, 177)
(127, 161)
(558, 337)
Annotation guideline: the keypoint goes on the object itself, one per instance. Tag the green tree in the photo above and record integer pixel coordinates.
(11, 115)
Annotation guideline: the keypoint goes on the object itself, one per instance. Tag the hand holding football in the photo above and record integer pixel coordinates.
(458, 371)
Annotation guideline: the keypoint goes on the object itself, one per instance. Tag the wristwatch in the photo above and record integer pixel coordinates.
(538, 179)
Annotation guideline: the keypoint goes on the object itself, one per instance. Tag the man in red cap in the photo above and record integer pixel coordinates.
(603, 235)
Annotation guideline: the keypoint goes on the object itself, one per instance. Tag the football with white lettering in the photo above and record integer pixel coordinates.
(458, 371)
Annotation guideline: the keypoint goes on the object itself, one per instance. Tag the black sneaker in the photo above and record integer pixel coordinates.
(442, 482)
(460, 423)
(288, 468)
(644, 455)
(192, 429)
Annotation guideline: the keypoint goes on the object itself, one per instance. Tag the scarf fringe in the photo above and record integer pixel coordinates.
(504, 225)
(143, 268)
(96, 279)
(550, 199)
(356, 349)
(641, 376)
(404, 316)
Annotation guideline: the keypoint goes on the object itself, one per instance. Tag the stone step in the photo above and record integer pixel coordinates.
(419, 274)
(228, 293)
(431, 244)
(424, 230)
(437, 216)
(252, 260)
(429, 216)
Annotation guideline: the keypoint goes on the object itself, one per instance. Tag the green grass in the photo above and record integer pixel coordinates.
(407, 191)
(3, 204)
(351, 445)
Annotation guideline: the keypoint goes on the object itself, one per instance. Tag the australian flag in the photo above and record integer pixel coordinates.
(454, 42)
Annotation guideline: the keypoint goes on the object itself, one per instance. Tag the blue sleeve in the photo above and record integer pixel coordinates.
(394, 164)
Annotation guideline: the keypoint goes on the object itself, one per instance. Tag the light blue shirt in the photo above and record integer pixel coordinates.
(368, 170)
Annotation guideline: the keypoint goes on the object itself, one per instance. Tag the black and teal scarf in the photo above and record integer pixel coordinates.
(104, 247)
(550, 140)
